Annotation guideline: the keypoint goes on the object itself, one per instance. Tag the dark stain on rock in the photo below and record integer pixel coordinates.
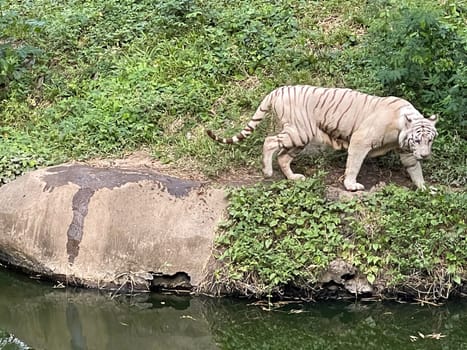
(91, 179)
(80, 204)
(97, 178)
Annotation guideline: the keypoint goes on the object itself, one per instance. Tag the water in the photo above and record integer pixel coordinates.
(34, 313)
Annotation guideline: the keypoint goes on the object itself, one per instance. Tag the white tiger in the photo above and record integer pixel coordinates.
(341, 118)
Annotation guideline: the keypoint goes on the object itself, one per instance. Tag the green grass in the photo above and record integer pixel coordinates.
(100, 78)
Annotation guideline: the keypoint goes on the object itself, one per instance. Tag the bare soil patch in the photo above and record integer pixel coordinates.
(372, 174)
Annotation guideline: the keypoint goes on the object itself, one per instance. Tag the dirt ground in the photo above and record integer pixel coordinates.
(372, 175)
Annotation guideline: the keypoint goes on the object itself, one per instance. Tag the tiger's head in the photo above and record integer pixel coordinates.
(418, 135)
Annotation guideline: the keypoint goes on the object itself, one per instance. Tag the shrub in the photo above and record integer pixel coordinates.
(279, 233)
(410, 239)
(16, 57)
(286, 233)
(417, 55)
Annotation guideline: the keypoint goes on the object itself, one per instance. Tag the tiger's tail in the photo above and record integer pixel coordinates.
(259, 115)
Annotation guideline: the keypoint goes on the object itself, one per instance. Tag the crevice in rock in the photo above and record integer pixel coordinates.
(178, 281)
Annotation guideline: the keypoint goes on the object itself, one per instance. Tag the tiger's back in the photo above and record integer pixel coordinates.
(329, 115)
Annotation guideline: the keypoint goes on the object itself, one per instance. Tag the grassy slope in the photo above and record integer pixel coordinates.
(82, 79)
(113, 76)
(99, 78)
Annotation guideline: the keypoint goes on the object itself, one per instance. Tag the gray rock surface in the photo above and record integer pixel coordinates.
(103, 227)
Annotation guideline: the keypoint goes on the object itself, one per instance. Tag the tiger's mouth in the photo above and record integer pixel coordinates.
(421, 156)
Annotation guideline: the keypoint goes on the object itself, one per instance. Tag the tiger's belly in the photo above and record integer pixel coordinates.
(378, 149)
(330, 141)
(376, 152)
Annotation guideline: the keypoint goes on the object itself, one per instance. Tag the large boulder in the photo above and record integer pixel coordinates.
(108, 227)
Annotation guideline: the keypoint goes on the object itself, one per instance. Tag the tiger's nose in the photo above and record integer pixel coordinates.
(424, 155)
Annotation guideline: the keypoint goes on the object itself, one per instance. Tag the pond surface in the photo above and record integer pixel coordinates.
(36, 314)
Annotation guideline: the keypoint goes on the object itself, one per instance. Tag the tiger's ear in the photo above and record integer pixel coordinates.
(408, 120)
(433, 118)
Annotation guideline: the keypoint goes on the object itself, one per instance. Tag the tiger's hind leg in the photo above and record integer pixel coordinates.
(285, 159)
(287, 149)
(271, 145)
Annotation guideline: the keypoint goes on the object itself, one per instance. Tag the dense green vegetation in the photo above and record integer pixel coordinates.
(286, 234)
(83, 79)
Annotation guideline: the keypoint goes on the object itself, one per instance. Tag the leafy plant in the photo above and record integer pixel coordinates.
(10, 168)
(19, 155)
(16, 57)
(449, 160)
(287, 234)
(416, 53)
(410, 239)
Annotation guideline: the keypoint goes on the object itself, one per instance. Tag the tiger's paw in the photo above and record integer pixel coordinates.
(353, 186)
(267, 173)
(297, 177)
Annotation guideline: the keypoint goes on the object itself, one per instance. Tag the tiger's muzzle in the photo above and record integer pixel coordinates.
(421, 154)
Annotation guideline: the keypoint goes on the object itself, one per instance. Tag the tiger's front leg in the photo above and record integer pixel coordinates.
(355, 158)
(414, 168)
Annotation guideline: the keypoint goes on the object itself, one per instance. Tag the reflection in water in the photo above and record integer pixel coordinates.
(78, 341)
(339, 325)
(47, 318)
(10, 342)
